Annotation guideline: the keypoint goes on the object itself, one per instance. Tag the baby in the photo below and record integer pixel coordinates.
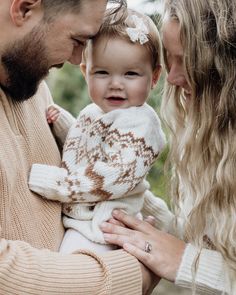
(110, 148)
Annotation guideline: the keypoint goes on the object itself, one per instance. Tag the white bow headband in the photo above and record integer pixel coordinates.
(139, 32)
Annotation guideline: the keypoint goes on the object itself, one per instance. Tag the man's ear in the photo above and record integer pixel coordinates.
(83, 69)
(156, 75)
(22, 10)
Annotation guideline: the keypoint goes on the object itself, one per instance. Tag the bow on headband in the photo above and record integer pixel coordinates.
(139, 32)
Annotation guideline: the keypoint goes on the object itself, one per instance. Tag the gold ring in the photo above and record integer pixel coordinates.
(148, 247)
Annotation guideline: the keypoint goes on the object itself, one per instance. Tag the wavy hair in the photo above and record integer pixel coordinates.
(203, 130)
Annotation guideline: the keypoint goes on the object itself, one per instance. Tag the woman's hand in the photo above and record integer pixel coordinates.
(166, 251)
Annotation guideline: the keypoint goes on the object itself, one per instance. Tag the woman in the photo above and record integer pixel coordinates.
(197, 245)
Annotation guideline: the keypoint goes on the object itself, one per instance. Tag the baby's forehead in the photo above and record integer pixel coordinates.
(120, 56)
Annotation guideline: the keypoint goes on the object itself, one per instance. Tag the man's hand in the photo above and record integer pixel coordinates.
(150, 280)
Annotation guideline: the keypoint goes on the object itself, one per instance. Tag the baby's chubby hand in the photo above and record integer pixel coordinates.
(52, 113)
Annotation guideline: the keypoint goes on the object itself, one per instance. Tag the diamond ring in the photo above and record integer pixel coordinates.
(148, 247)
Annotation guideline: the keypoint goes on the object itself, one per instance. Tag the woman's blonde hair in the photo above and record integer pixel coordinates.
(203, 129)
(115, 25)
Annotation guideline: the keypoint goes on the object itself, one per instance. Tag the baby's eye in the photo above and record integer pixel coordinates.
(101, 72)
(131, 73)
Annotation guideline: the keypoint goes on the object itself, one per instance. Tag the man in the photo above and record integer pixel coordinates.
(35, 36)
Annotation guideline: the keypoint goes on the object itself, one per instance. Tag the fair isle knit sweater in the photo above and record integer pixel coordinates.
(106, 157)
(31, 228)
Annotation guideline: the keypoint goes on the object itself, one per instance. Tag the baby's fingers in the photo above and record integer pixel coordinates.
(52, 115)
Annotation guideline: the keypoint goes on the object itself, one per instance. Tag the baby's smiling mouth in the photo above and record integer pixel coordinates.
(115, 98)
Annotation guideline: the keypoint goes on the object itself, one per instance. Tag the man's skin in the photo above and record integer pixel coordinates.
(29, 43)
(31, 46)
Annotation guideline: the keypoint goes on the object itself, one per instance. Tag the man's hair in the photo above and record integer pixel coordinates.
(53, 7)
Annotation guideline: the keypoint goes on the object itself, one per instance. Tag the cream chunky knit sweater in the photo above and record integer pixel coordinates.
(106, 157)
(30, 227)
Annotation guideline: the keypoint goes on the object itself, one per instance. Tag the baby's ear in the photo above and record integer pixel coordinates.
(156, 75)
(83, 69)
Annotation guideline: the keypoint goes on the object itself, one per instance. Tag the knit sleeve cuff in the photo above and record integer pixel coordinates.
(125, 272)
(45, 181)
(26, 270)
(210, 277)
(156, 207)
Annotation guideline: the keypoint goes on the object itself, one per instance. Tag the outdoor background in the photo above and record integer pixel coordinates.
(70, 91)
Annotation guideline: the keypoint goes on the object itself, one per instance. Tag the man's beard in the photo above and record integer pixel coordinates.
(26, 64)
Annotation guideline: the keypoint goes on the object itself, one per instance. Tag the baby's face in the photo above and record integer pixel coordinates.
(119, 73)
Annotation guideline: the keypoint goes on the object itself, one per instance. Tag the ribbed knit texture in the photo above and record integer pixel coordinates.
(210, 277)
(25, 139)
(106, 157)
(25, 268)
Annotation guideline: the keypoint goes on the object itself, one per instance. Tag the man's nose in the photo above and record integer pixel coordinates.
(76, 55)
